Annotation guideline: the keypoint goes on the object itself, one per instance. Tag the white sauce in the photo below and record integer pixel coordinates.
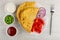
(10, 7)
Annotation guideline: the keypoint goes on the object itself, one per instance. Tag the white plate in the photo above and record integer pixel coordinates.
(21, 34)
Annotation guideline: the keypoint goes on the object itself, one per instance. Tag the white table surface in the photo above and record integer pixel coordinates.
(55, 27)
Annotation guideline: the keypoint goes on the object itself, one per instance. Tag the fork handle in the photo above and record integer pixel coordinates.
(51, 23)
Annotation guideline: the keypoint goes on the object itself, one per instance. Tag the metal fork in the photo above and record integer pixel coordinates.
(51, 11)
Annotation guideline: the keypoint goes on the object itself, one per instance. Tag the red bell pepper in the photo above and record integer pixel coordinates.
(37, 25)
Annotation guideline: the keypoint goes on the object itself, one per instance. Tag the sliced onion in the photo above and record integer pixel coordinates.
(41, 12)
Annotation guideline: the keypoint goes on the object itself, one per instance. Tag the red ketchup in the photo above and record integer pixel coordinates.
(11, 31)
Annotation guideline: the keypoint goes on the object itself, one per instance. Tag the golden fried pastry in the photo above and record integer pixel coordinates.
(26, 13)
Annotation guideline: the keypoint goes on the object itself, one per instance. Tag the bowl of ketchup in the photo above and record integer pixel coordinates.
(11, 31)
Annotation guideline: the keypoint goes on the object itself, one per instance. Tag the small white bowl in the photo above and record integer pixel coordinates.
(10, 7)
